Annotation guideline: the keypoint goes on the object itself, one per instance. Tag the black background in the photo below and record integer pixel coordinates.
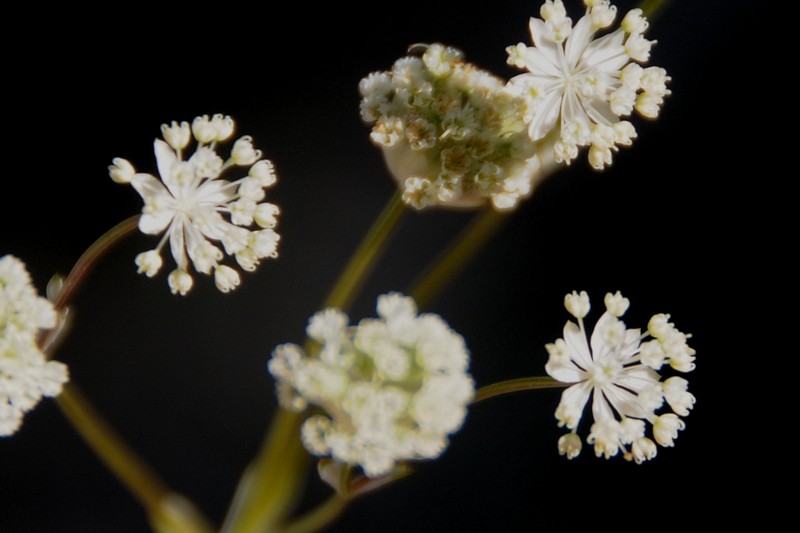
(184, 379)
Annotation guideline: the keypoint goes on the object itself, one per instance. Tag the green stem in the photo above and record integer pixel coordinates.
(49, 340)
(271, 484)
(367, 254)
(168, 511)
(348, 488)
(652, 8)
(86, 261)
(516, 385)
(456, 256)
(319, 517)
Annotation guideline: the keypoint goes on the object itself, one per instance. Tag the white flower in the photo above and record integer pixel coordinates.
(177, 135)
(570, 445)
(392, 388)
(226, 278)
(451, 134)
(149, 263)
(579, 87)
(25, 374)
(616, 304)
(626, 391)
(202, 216)
(121, 171)
(577, 304)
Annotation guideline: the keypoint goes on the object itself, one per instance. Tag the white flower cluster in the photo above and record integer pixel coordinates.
(579, 87)
(25, 374)
(450, 132)
(190, 199)
(619, 372)
(392, 388)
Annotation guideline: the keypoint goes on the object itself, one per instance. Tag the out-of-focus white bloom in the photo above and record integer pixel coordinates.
(451, 133)
(392, 388)
(25, 374)
(197, 210)
(577, 304)
(618, 372)
(578, 87)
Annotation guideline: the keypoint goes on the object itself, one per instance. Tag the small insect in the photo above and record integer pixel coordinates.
(417, 49)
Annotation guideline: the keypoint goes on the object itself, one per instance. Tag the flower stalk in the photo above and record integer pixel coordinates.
(169, 512)
(65, 289)
(271, 484)
(458, 254)
(516, 385)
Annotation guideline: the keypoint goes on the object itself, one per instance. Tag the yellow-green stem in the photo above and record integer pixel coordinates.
(652, 8)
(457, 255)
(319, 517)
(516, 385)
(271, 484)
(170, 511)
(367, 254)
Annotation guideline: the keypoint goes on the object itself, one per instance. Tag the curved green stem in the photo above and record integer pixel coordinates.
(271, 484)
(516, 385)
(92, 254)
(456, 256)
(169, 512)
(50, 339)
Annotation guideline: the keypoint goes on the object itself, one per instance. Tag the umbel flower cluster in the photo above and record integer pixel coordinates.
(455, 135)
(450, 132)
(618, 371)
(25, 374)
(197, 209)
(578, 87)
(391, 388)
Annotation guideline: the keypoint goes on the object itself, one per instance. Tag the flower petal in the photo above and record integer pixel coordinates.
(572, 111)
(601, 410)
(578, 40)
(214, 191)
(547, 113)
(578, 349)
(630, 345)
(176, 243)
(599, 111)
(599, 346)
(153, 221)
(573, 401)
(165, 159)
(637, 377)
(606, 54)
(565, 373)
(149, 187)
(625, 402)
(551, 50)
(539, 63)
